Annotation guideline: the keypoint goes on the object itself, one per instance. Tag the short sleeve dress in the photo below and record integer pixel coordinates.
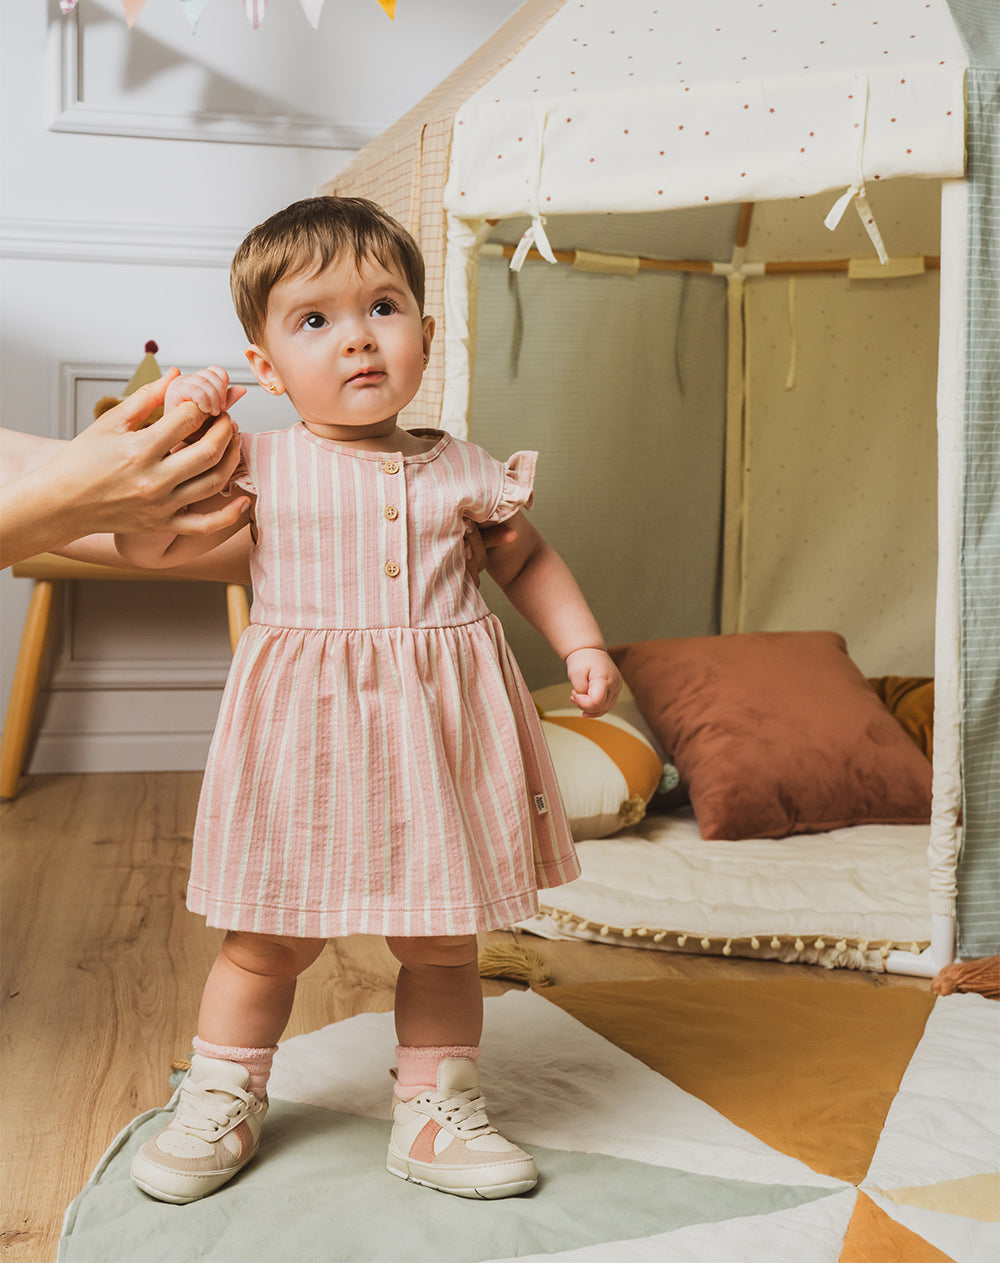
(378, 766)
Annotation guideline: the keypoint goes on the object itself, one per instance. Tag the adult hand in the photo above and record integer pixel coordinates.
(123, 475)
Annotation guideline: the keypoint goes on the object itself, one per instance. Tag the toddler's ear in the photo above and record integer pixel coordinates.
(264, 370)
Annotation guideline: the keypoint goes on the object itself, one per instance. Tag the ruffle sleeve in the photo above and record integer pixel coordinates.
(241, 478)
(517, 485)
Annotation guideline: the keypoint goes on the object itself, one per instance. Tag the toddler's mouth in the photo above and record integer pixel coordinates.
(366, 375)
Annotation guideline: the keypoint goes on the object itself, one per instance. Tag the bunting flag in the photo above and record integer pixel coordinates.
(255, 10)
(193, 9)
(312, 9)
(132, 10)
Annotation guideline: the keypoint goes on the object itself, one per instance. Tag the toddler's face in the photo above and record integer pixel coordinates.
(348, 345)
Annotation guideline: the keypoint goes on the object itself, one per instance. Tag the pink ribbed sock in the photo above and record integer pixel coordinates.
(416, 1068)
(256, 1062)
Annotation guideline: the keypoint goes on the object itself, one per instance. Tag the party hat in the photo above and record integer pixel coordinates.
(148, 371)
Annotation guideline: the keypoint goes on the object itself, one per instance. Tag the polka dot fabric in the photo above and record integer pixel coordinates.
(655, 105)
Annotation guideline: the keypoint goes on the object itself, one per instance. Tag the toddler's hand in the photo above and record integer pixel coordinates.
(209, 389)
(595, 679)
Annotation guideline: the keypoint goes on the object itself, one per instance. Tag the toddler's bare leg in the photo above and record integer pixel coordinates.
(439, 995)
(248, 996)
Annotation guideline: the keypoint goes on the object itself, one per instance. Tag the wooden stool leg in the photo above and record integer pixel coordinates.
(238, 608)
(24, 693)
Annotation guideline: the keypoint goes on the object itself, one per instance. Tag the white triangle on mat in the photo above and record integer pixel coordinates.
(552, 1081)
(944, 1122)
(776, 1238)
(343, 1067)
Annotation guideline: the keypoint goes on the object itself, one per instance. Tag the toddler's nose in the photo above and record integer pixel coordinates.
(359, 340)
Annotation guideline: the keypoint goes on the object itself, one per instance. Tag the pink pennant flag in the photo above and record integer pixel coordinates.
(312, 9)
(255, 10)
(67, 6)
(389, 6)
(132, 10)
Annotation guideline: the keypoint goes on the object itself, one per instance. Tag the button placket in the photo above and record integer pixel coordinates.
(394, 537)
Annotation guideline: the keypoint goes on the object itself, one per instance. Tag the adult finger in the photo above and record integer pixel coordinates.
(174, 427)
(198, 470)
(134, 410)
(206, 523)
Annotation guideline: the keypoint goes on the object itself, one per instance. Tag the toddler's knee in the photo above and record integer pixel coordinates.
(442, 953)
(269, 955)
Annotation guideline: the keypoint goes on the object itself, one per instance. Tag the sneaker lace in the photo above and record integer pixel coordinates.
(465, 1111)
(205, 1108)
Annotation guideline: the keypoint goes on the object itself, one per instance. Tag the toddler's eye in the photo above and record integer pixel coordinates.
(383, 308)
(314, 321)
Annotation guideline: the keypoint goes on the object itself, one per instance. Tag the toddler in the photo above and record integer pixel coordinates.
(378, 766)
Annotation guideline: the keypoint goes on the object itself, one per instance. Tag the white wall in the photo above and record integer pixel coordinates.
(117, 221)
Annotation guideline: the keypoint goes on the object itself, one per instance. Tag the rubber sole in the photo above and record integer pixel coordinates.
(490, 1193)
(142, 1179)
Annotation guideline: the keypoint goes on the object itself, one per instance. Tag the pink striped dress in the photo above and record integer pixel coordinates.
(378, 766)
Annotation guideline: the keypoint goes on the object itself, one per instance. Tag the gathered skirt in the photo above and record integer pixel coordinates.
(377, 781)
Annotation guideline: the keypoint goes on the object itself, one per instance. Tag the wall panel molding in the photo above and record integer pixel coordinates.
(166, 245)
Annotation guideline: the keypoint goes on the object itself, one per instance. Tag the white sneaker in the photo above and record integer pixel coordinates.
(213, 1134)
(444, 1140)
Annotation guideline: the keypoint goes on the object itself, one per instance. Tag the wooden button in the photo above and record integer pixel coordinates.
(391, 569)
(391, 512)
(390, 467)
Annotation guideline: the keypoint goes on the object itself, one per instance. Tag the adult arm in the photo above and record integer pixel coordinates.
(118, 474)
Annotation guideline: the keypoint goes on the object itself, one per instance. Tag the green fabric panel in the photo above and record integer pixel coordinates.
(319, 1189)
(978, 23)
(979, 861)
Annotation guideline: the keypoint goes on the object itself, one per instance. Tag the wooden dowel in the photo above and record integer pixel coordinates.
(649, 265)
(932, 262)
(743, 225)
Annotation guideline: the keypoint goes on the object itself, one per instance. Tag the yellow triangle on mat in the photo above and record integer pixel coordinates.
(389, 6)
(971, 1197)
(874, 1237)
(809, 1068)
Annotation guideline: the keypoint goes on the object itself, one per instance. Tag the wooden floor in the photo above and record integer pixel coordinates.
(103, 968)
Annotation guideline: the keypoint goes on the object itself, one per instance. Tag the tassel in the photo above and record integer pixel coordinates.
(979, 976)
(632, 810)
(514, 963)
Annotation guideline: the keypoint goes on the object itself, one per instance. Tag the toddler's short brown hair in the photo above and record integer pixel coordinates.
(313, 233)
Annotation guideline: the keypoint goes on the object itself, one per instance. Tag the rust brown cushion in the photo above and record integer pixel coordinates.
(776, 733)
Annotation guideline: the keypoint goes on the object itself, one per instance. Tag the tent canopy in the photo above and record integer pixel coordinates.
(646, 106)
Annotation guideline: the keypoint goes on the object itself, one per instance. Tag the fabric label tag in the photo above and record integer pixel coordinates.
(541, 806)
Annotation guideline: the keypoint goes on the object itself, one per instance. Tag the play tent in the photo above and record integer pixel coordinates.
(735, 269)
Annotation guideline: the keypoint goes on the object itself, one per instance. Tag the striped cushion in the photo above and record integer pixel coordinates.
(607, 770)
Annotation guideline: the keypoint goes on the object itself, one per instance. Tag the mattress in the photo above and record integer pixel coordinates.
(840, 899)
